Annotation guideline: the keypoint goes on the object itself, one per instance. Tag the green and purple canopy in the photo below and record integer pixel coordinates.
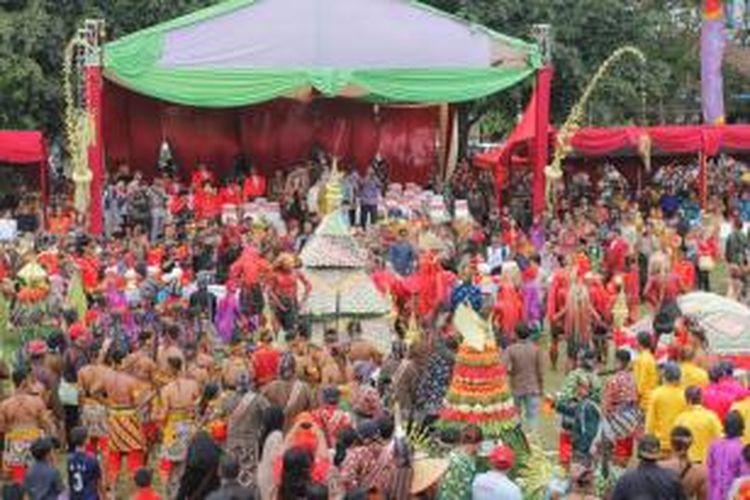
(242, 52)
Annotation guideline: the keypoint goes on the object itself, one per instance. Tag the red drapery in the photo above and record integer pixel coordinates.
(532, 134)
(540, 151)
(599, 142)
(707, 139)
(26, 147)
(272, 135)
(594, 142)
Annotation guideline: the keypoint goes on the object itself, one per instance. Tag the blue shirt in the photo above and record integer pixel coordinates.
(467, 292)
(83, 476)
(494, 485)
(369, 193)
(43, 482)
(401, 256)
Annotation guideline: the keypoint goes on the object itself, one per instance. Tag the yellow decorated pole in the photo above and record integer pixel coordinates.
(554, 172)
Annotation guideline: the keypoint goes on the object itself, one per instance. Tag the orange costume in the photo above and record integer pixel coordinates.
(59, 224)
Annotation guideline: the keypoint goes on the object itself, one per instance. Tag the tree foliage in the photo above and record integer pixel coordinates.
(33, 34)
(585, 32)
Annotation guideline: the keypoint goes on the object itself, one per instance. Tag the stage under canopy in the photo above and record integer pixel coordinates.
(273, 78)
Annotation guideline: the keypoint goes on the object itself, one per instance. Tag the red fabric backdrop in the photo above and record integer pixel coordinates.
(25, 147)
(272, 135)
(22, 146)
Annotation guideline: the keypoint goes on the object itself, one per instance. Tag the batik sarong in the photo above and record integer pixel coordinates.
(125, 432)
(178, 431)
(17, 452)
(94, 418)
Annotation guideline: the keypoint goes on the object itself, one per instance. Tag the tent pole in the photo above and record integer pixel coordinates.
(542, 33)
(702, 179)
(94, 29)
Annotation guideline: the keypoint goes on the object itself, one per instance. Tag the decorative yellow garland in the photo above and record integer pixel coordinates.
(78, 129)
(554, 171)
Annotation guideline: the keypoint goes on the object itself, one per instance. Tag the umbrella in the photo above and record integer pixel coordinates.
(725, 321)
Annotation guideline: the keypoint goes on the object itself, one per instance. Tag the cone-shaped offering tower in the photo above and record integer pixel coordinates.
(336, 267)
(478, 393)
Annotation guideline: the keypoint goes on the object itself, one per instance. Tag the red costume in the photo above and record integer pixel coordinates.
(200, 177)
(616, 255)
(558, 292)
(89, 269)
(432, 284)
(265, 364)
(59, 224)
(50, 261)
(385, 281)
(632, 282)
(154, 256)
(661, 289)
(230, 195)
(250, 268)
(685, 271)
(254, 187)
(508, 309)
(177, 204)
(556, 297)
(207, 204)
(601, 299)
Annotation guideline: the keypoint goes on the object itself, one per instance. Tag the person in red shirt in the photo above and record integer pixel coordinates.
(254, 185)
(230, 194)
(144, 489)
(200, 177)
(207, 203)
(617, 253)
(685, 271)
(88, 266)
(265, 359)
(283, 291)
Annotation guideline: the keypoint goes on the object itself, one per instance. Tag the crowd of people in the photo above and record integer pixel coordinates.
(130, 359)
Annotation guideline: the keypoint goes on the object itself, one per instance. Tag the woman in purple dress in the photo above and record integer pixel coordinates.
(227, 313)
(531, 295)
(725, 463)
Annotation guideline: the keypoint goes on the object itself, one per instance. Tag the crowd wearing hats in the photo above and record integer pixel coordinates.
(175, 356)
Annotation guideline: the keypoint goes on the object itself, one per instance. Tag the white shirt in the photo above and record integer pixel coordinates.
(496, 256)
(494, 485)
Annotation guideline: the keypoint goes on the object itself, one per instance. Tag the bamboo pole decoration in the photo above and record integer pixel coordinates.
(554, 172)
